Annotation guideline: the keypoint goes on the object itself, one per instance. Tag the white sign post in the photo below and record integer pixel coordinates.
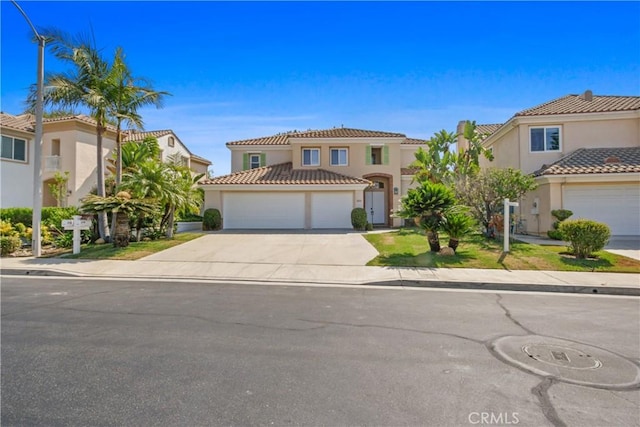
(76, 224)
(507, 222)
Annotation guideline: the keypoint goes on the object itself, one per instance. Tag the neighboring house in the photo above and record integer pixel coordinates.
(68, 145)
(170, 146)
(313, 179)
(584, 151)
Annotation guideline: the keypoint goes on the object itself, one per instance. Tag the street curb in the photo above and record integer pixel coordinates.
(25, 272)
(436, 284)
(523, 287)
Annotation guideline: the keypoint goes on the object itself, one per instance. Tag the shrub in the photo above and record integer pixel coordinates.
(359, 218)
(212, 220)
(64, 240)
(457, 224)
(6, 228)
(560, 215)
(369, 227)
(584, 236)
(9, 244)
(52, 217)
(16, 215)
(189, 218)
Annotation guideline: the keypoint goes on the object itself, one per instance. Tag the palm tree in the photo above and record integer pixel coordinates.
(130, 94)
(89, 84)
(428, 204)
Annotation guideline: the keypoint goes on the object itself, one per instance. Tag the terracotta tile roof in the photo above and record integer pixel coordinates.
(415, 141)
(571, 104)
(347, 133)
(280, 139)
(487, 130)
(78, 117)
(283, 138)
(23, 122)
(594, 161)
(134, 135)
(284, 174)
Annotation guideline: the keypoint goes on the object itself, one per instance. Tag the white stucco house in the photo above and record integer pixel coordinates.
(584, 151)
(313, 179)
(69, 145)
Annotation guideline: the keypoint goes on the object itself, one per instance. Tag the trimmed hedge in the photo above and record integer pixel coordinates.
(584, 236)
(51, 216)
(358, 218)
(211, 220)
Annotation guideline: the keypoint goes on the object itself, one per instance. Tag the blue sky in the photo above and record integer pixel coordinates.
(248, 69)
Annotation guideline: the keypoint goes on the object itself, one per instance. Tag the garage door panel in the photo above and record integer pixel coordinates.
(269, 210)
(331, 210)
(617, 206)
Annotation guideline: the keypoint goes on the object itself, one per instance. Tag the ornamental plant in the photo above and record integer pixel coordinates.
(359, 218)
(584, 236)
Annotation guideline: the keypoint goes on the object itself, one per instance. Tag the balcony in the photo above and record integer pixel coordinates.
(52, 163)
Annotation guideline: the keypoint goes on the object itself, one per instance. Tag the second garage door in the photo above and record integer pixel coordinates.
(331, 209)
(263, 210)
(615, 205)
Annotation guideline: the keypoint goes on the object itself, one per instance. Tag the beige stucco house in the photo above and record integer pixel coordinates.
(584, 151)
(68, 145)
(313, 179)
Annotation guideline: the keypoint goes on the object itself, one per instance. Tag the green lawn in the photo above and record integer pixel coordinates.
(135, 250)
(409, 248)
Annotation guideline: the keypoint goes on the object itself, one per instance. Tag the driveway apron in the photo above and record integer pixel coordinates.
(274, 247)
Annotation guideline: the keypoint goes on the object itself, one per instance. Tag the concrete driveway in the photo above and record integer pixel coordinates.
(628, 246)
(274, 247)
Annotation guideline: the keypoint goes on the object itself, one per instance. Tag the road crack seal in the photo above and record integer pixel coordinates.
(392, 328)
(507, 313)
(541, 391)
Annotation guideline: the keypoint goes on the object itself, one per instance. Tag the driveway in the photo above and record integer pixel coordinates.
(628, 246)
(274, 247)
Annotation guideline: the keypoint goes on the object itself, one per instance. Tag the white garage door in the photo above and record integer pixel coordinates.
(263, 210)
(331, 209)
(618, 206)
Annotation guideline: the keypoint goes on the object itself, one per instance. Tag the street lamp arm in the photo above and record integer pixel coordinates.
(38, 36)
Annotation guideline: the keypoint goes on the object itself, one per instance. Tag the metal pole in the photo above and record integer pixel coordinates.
(36, 247)
(37, 144)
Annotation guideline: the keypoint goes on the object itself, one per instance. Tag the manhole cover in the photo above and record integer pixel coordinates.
(564, 357)
(567, 361)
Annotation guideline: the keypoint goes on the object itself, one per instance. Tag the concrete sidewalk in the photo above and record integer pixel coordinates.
(524, 280)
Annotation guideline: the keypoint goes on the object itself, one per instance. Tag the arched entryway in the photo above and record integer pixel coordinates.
(377, 199)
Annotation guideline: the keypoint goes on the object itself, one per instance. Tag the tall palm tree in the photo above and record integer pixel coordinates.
(88, 84)
(130, 94)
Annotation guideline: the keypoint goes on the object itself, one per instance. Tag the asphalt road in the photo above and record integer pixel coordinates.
(139, 353)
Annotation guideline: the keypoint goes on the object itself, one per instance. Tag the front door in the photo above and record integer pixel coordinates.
(374, 205)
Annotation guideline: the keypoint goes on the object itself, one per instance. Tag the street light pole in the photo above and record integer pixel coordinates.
(36, 247)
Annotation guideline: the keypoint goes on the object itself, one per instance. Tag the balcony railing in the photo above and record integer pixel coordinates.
(52, 163)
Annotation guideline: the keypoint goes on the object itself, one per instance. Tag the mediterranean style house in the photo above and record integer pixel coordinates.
(68, 145)
(313, 179)
(584, 152)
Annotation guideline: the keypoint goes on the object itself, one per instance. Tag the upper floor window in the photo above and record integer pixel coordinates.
(172, 141)
(13, 149)
(254, 161)
(311, 157)
(55, 147)
(339, 157)
(545, 138)
(377, 155)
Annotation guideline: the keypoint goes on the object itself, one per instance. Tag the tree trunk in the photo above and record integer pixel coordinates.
(453, 243)
(121, 235)
(434, 241)
(103, 222)
(170, 224)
